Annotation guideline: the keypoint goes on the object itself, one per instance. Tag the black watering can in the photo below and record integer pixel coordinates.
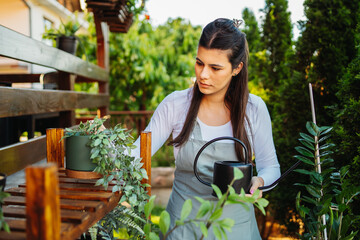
(224, 171)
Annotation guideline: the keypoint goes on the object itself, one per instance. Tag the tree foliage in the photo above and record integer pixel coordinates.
(277, 41)
(326, 47)
(148, 63)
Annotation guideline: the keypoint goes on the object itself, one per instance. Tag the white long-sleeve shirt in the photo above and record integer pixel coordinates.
(169, 118)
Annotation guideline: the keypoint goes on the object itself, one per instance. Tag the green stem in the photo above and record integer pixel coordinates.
(208, 224)
(341, 216)
(168, 233)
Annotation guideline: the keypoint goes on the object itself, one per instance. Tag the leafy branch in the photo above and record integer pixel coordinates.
(208, 214)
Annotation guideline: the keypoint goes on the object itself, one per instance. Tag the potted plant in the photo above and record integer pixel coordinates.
(108, 152)
(64, 35)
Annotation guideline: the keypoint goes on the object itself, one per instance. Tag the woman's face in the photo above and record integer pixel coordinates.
(213, 71)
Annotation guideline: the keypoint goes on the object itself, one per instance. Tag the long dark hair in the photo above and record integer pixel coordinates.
(223, 34)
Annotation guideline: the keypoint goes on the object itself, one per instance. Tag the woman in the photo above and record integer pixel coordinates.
(219, 104)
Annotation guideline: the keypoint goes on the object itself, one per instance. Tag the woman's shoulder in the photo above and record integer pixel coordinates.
(254, 102)
(179, 98)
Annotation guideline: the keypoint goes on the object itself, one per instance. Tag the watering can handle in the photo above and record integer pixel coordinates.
(207, 144)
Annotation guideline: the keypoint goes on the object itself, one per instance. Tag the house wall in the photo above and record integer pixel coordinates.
(27, 17)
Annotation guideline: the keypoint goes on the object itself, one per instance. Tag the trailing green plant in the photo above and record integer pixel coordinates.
(111, 151)
(208, 214)
(325, 207)
(3, 224)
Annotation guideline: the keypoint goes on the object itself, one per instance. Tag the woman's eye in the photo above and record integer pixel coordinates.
(216, 69)
(199, 63)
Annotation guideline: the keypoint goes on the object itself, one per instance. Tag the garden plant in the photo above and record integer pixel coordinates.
(324, 207)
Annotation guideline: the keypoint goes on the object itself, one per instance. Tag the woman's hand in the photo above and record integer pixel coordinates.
(256, 182)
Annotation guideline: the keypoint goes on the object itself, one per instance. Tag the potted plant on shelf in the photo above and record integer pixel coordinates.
(108, 156)
(65, 37)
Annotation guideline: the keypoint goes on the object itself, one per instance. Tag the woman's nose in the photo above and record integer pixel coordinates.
(204, 74)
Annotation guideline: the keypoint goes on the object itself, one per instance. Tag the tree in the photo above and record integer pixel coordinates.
(251, 29)
(276, 39)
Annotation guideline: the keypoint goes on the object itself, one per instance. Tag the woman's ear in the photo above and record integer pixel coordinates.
(238, 69)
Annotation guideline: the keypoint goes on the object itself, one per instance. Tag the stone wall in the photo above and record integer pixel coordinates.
(161, 183)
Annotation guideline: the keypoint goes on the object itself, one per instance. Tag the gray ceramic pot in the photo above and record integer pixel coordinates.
(78, 154)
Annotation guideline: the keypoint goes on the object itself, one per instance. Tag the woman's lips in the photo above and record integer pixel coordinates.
(204, 85)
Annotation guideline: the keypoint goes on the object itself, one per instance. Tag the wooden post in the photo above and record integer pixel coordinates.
(102, 55)
(145, 154)
(42, 202)
(66, 82)
(55, 149)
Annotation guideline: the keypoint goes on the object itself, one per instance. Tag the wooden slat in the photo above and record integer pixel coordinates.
(83, 205)
(13, 235)
(19, 224)
(81, 187)
(17, 156)
(66, 215)
(18, 46)
(20, 78)
(69, 194)
(18, 102)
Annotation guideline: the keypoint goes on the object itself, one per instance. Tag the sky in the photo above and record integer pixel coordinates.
(201, 12)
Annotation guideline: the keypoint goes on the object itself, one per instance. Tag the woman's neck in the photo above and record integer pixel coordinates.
(213, 111)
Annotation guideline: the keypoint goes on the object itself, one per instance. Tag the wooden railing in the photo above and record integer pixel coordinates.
(21, 106)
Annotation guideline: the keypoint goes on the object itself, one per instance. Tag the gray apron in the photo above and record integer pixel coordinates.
(186, 186)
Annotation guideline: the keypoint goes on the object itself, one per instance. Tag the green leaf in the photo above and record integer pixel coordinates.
(164, 223)
(147, 228)
(153, 236)
(179, 223)
(186, 209)
(97, 142)
(305, 152)
(205, 207)
(238, 174)
(226, 223)
(263, 202)
(304, 160)
(327, 145)
(323, 138)
(99, 182)
(312, 128)
(203, 229)
(199, 199)
(217, 232)
(324, 130)
(105, 141)
(307, 138)
(303, 171)
(149, 206)
(216, 190)
(307, 144)
(216, 214)
(313, 191)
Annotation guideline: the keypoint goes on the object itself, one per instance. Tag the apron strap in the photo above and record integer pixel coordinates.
(197, 131)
